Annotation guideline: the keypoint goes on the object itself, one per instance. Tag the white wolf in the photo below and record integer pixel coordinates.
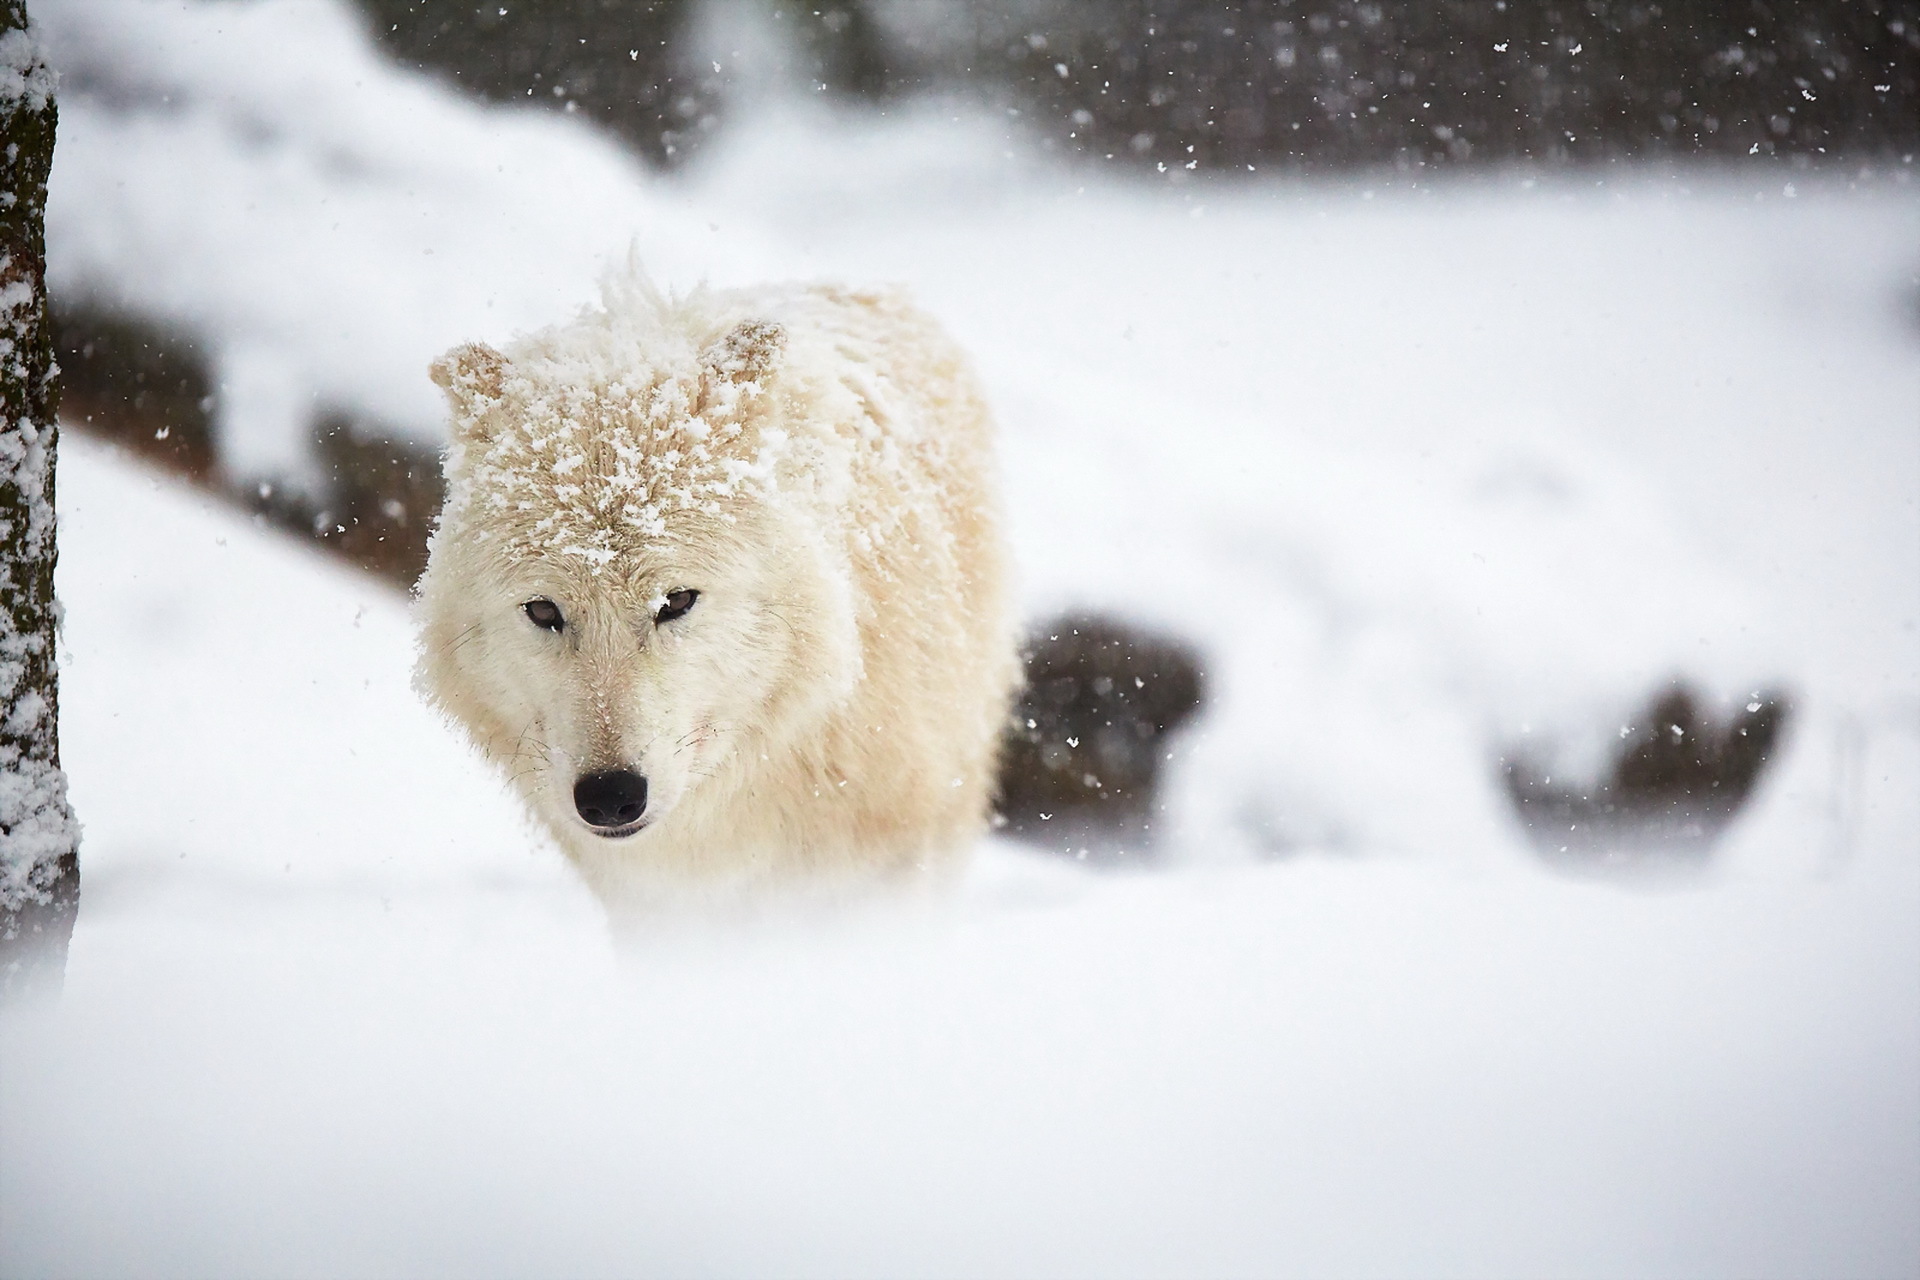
(720, 584)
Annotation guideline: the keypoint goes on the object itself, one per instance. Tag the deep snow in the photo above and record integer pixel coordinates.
(1425, 473)
(332, 1011)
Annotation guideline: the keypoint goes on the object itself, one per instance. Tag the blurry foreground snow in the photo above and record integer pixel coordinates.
(332, 1011)
(1424, 474)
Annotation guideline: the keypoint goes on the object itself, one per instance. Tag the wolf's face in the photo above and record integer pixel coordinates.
(612, 696)
(622, 604)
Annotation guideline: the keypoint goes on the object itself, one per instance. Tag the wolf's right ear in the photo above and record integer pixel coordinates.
(474, 378)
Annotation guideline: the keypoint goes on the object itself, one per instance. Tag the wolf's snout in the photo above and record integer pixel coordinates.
(615, 798)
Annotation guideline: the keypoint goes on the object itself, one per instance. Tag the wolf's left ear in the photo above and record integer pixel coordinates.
(745, 353)
(473, 376)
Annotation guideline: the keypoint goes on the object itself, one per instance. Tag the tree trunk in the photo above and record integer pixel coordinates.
(39, 869)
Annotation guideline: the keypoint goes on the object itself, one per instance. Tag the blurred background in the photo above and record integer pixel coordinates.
(1483, 435)
(1305, 86)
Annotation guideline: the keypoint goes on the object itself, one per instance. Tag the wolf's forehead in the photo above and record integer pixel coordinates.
(592, 473)
(562, 402)
(599, 526)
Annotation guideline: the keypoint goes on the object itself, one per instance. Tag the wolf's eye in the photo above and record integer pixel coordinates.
(545, 614)
(678, 602)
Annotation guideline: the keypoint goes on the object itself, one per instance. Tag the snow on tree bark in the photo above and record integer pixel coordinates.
(39, 868)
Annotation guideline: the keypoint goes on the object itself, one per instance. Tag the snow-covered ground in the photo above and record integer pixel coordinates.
(332, 1011)
(1424, 472)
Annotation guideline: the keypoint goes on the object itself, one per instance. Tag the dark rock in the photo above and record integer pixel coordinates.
(140, 385)
(1677, 779)
(379, 502)
(624, 63)
(1081, 758)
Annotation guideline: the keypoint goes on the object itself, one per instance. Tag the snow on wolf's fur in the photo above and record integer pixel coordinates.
(816, 464)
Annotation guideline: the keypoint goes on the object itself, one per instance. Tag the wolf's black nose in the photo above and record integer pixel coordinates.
(611, 799)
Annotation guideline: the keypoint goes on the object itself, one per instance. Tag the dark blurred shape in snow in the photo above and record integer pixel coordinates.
(1676, 780)
(144, 386)
(658, 73)
(625, 65)
(378, 502)
(1080, 764)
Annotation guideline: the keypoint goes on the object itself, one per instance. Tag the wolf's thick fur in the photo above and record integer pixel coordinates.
(816, 463)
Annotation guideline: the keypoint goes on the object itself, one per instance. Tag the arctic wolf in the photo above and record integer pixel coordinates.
(720, 586)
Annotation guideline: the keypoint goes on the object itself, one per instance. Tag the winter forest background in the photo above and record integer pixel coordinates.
(1490, 431)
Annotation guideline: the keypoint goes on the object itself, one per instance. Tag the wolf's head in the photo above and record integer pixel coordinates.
(629, 599)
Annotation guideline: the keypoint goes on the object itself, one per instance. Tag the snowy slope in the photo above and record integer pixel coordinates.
(330, 1012)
